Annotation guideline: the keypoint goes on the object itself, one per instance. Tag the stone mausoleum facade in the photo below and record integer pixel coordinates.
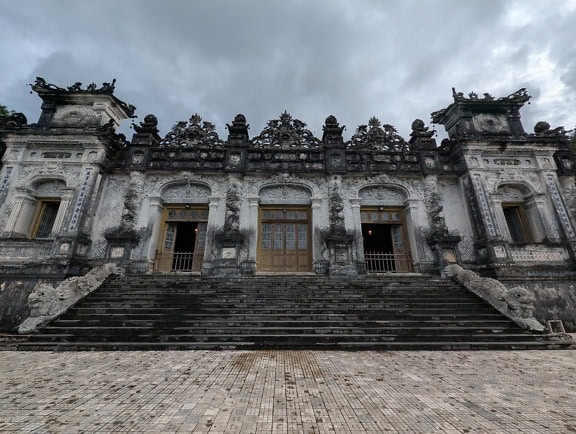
(492, 197)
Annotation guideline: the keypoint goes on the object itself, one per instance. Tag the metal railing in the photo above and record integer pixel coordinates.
(380, 262)
(175, 261)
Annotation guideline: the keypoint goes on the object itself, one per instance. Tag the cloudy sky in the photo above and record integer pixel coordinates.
(394, 59)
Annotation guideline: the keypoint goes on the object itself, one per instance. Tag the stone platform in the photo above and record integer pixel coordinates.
(288, 392)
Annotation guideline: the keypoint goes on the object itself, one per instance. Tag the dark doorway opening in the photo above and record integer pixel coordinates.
(377, 238)
(185, 236)
(184, 245)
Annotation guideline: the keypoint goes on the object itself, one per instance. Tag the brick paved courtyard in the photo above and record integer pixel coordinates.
(288, 392)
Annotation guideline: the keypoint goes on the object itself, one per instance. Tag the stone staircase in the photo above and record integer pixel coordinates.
(186, 312)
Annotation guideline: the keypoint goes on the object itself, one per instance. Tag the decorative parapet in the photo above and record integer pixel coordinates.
(47, 302)
(193, 133)
(285, 133)
(538, 253)
(377, 137)
(24, 248)
(515, 303)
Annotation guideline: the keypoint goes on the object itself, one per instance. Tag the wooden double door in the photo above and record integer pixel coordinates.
(386, 247)
(183, 239)
(284, 240)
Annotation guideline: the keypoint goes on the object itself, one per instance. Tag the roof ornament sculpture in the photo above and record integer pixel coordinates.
(41, 86)
(238, 131)
(420, 130)
(377, 137)
(149, 126)
(520, 96)
(543, 129)
(285, 132)
(13, 121)
(192, 133)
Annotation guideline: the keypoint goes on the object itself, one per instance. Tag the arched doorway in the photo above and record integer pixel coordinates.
(386, 247)
(183, 238)
(183, 227)
(385, 240)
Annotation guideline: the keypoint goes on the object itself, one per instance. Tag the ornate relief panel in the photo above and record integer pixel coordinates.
(483, 204)
(389, 195)
(512, 193)
(285, 194)
(559, 205)
(186, 193)
(52, 187)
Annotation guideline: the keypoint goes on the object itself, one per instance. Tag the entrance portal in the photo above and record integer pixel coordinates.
(183, 239)
(383, 234)
(284, 240)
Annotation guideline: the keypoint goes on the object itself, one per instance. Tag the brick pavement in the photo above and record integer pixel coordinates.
(288, 392)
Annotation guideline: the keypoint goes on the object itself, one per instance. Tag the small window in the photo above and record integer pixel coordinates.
(517, 223)
(46, 217)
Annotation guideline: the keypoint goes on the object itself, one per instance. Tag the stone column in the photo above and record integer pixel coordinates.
(210, 230)
(66, 198)
(412, 209)
(155, 218)
(358, 241)
(253, 203)
(534, 208)
(315, 239)
(562, 213)
(20, 220)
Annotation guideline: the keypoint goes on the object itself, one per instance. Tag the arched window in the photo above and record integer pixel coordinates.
(520, 213)
(48, 195)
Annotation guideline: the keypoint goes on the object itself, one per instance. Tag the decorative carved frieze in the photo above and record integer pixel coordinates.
(535, 253)
(391, 194)
(193, 133)
(559, 206)
(80, 199)
(484, 207)
(286, 192)
(285, 132)
(186, 193)
(377, 137)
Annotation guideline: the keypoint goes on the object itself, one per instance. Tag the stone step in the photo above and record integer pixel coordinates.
(192, 312)
(95, 331)
(335, 321)
(343, 345)
(270, 339)
(285, 303)
(207, 313)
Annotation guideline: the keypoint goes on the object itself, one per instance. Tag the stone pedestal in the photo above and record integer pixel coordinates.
(341, 258)
(120, 245)
(226, 260)
(445, 247)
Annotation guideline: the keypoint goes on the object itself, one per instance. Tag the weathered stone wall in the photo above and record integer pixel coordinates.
(109, 213)
(154, 190)
(555, 299)
(458, 221)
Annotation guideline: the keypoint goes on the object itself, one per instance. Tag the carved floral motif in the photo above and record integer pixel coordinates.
(285, 133)
(192, 133)
(186, 193)
(285, 191)
(379, 193)
(377, 137)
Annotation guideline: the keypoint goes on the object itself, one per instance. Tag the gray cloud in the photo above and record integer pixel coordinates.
(397, 59)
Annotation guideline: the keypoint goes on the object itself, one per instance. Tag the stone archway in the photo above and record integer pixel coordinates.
(183, 227)
(385, 242)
